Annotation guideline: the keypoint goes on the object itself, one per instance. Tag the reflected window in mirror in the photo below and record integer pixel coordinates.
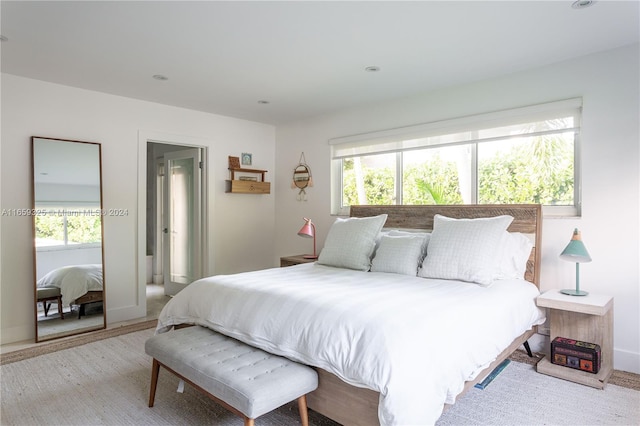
(68, 237)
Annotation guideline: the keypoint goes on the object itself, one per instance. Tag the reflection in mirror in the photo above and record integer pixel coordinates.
(67, 223)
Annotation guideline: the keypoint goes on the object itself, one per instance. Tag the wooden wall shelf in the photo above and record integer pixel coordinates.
(248, 186)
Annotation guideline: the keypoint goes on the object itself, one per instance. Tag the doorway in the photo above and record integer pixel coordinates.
(174, 220)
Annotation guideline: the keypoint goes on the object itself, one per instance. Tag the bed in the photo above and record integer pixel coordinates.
(79, 284)
(391, 346)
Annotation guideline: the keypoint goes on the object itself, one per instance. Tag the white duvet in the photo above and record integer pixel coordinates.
(73, 281)
(414, 340)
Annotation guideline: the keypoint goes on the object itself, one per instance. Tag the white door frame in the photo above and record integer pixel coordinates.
(145, 137)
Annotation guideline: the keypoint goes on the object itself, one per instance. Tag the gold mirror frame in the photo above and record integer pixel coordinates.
(68, 236)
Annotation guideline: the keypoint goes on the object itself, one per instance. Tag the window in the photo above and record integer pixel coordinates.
(524, 155)
(67, 227)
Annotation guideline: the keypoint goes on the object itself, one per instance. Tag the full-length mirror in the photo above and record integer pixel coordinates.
(69, 294)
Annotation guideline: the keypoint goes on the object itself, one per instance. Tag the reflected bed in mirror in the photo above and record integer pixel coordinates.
(68, 234)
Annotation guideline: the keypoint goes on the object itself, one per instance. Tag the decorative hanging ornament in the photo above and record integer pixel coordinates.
(302, 178)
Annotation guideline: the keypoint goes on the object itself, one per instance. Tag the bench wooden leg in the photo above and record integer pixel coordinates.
(302, 407)
(155, 369)
(60, 307)
(248, 421)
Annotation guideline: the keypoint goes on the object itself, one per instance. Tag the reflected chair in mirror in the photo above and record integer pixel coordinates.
(48, 294)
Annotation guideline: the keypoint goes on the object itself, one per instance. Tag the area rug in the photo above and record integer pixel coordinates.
(521, 396)
(107, 383)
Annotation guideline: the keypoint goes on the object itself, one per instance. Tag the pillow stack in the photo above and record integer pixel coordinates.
(472, 250)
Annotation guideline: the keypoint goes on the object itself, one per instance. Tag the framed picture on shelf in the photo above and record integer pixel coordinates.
(234, 162)
(246, 159)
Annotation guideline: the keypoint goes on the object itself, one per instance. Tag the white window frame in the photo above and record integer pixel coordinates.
(403, 139)
(61, 209)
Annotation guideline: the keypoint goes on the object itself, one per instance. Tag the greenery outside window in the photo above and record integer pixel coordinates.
(64, 227)
(524, 155)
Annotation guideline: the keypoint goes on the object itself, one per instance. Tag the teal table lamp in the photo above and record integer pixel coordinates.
(575, 252)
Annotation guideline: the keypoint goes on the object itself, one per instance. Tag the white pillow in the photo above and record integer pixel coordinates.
(465, 249)
(515, 250)
(425, 242)
(378, 239)
(398, 254)
(351, 241)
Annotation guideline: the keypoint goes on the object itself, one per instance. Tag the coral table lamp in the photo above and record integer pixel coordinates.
(308, 230)
(575, 252)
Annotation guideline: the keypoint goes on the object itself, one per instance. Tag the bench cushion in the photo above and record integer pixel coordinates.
(249, 379)
(47, 292)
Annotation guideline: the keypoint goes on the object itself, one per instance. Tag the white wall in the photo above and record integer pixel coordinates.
(240, 226)
(48, 259)
(607, 82)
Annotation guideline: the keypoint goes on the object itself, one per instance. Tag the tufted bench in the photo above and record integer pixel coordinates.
(244, 379)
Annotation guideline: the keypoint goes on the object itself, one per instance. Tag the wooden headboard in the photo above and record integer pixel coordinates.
(527, 219)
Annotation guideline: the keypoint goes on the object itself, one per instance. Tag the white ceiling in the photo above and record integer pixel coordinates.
(305, 58)
(62, 162)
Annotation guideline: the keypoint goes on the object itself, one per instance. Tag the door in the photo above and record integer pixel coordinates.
(182, 219)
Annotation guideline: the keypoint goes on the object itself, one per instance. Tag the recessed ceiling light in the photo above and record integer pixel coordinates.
(263, 102)
(3, 38)
(372, 68)
(581, 4)
(161, 77)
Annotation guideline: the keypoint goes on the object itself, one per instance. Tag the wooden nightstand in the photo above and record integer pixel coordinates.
(586, 318)
(294, 260)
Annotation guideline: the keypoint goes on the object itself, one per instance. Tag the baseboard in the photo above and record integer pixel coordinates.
(626, 361)
(127, 313)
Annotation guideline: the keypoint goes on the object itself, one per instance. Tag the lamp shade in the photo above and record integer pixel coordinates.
(575, 250)
(308, 230)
